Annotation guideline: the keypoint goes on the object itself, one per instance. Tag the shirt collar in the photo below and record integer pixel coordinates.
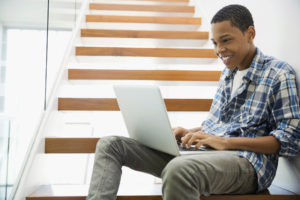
(255, 68)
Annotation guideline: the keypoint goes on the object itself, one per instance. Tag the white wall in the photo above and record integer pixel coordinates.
(33, 13)
(23, 13)
(278, 29)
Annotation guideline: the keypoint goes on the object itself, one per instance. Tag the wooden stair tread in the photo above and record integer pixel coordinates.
(110, 104)
(144, 19)
(146, 191)
(131, 7)
(162, 75)
(145, 34)
(145, 52)
(70, 145)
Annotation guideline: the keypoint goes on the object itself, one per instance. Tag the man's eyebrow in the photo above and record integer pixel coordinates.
(225, 35)
(222, 36)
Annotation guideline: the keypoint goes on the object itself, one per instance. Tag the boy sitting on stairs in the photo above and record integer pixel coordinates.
(255, 111)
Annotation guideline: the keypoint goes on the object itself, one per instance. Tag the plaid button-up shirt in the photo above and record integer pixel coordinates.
(265, 104)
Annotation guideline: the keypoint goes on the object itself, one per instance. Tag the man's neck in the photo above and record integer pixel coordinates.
(248, 59)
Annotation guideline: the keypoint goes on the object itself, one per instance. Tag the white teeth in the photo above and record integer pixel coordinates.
(225, 58)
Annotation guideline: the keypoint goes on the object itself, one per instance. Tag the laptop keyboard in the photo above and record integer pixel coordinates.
(191, 149)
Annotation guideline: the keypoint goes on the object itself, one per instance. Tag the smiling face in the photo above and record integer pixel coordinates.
(234, 47)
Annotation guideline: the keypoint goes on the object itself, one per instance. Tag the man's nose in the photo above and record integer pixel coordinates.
(220, 49)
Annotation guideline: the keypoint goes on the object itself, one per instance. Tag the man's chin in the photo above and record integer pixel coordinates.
(230, 66)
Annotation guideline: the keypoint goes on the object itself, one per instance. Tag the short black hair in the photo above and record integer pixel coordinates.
(238, 15)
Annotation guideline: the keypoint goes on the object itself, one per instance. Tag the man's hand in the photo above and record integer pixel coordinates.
(264, 145)
(203, 139)
(179, 132)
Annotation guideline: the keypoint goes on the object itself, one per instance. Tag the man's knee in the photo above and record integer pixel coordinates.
(185, 170)
(181, 179)
(105, 143)
(176, 170)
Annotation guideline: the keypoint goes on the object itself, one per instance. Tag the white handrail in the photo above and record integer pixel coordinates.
(33, 146)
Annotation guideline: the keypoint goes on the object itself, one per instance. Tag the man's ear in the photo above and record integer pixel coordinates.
(251, 33)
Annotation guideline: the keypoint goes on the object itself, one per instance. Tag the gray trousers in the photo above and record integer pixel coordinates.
(184, 177)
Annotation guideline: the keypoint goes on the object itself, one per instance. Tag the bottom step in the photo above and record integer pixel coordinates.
(148, 191)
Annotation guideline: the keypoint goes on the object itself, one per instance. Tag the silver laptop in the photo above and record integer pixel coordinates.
(147, 121)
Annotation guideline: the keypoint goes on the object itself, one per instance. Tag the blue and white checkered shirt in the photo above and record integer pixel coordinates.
(265, 104)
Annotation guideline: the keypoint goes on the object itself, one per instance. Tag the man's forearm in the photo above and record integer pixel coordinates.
(265, 145)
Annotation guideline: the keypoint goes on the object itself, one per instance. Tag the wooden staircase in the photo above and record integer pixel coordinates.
(59, 145)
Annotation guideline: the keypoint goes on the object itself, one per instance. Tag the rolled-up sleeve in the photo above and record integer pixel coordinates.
(286, 115)
(289, 137)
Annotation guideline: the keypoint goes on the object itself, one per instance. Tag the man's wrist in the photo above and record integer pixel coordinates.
(227, 144)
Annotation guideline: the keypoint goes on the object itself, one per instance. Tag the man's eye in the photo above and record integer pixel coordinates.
(214, 43)
(226, 40)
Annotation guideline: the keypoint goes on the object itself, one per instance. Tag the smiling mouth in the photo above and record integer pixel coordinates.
(225, 59)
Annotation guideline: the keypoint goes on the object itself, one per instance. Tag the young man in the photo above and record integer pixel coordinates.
(255, 111)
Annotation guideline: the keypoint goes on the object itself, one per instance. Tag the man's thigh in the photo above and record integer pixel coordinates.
(137, 156)
(217, 173)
